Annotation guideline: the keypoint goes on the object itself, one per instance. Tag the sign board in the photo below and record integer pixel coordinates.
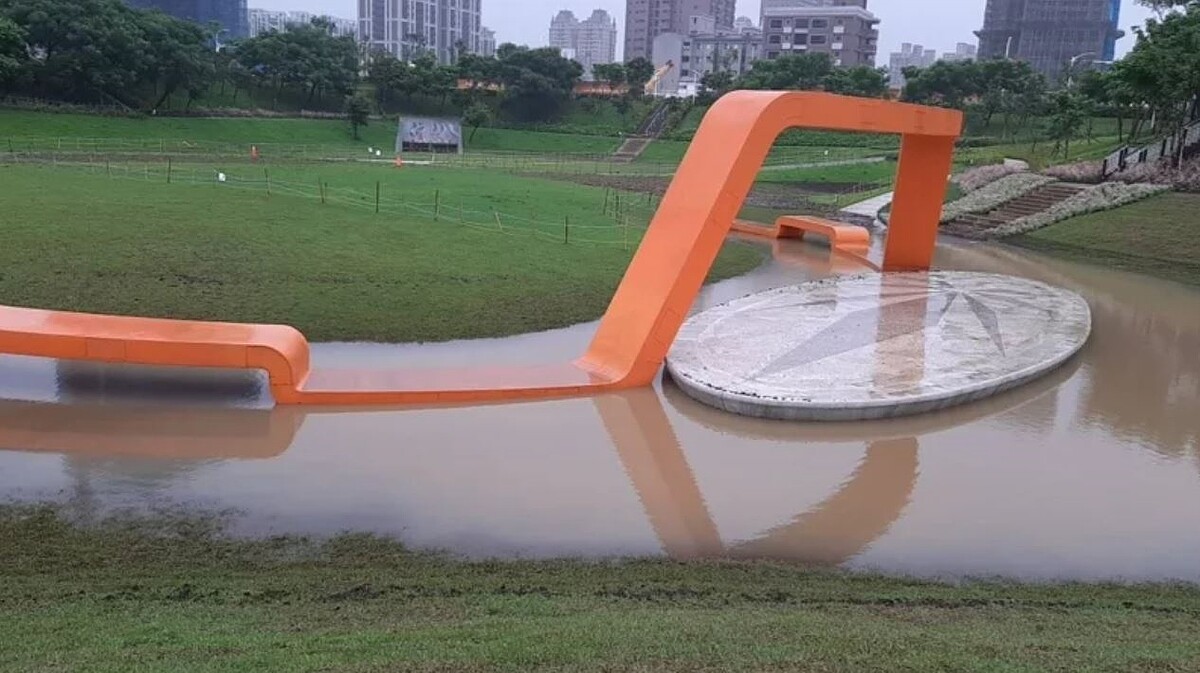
(428, 134)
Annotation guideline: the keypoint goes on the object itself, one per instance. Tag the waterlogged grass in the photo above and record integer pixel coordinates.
(170, 593)
(1156, 236)
(133, 244)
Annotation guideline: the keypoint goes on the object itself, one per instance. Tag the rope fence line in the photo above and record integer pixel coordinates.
(627, 214)
(69, 149)
(623, 228)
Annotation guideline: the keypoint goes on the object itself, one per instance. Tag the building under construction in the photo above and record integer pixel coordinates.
(231, 15)
(1050, 35)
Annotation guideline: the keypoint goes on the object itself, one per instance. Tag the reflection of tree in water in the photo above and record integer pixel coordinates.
(1145, 376)
(1142, 362)
(138, 482)
(116, 438)
(834, 531)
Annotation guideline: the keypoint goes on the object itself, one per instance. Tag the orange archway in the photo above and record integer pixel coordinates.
(713, 181)
(646, 312)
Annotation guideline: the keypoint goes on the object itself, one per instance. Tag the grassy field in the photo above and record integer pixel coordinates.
(171, 594)
(1038, 155)
(877, 172)
(132, 244)
(43, 130)
(1156, 236)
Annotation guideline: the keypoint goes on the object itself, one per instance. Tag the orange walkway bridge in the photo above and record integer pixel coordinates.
(650, 304)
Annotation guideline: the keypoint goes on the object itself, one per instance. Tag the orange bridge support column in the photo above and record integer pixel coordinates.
(708, 190)
(925, 163)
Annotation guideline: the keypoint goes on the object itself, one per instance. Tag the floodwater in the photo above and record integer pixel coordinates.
(1090, 473)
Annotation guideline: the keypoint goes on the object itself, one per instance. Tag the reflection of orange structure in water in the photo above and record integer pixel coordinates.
(646, 312)
(651, 454)
(833, 532)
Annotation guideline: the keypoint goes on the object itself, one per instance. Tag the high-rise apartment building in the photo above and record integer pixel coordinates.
(909, 56)
(230, 14)
(265, 20)
(1051, 34)
(487, 42)
(590, 42)
(962, 52)
(647, 19)
(745, 25)
(407, 28)
(844, 29)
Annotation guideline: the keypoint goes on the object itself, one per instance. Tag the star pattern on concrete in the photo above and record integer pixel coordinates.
(883, 322)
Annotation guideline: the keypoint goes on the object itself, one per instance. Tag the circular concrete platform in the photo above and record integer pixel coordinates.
(877, 346)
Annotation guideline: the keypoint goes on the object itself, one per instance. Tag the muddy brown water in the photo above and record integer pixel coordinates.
(1090, 473)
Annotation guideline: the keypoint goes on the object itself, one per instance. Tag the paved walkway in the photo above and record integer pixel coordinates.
(870, 207)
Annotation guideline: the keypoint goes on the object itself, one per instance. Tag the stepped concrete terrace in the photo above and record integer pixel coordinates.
(981, 226)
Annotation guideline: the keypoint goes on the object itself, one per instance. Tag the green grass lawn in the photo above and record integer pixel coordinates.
(876, 172)
(1038, 155)
(1156, 236)
(170, 594)
(672, 151)
(44, 131)
(133, 244)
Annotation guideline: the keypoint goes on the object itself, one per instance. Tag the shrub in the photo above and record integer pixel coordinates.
(992, 195)
(974, 178)
(1186, 178)
(1104, 196)
(1080, 171)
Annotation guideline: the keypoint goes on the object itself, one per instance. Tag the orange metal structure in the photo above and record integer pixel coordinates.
(843, 236)
(650, 304)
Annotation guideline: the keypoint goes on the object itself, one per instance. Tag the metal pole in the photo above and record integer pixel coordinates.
(376, 197)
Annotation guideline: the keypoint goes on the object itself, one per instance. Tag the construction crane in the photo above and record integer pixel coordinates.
(652, 85)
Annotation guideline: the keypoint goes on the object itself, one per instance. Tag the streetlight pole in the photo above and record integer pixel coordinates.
(1071, 67)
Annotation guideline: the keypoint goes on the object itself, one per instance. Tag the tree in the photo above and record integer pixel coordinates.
(612, 73)
(103, 51)
(537, 82)
(945, 83)
(306, 59)
(860, 80)
(638, 72)
(358, 112)
(717, 82)
(475, 116)
(13, 54)
(1162, 72)
(803, 72)
(179, 58)
(1068, 112)
(1162, 6)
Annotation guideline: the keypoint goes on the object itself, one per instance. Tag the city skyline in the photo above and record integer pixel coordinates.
(901, 20)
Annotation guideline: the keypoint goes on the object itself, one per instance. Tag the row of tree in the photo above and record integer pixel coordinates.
(106, 52)
(1155, 87)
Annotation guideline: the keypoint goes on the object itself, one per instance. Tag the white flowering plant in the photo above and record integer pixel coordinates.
(1103, 196)
(974, 178)
(993, 195)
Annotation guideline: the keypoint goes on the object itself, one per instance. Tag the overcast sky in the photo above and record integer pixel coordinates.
(937, 24)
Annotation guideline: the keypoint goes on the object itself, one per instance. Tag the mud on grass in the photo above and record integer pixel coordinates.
(170, 592)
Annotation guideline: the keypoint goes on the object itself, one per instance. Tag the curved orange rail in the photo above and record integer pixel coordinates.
(646, 312)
